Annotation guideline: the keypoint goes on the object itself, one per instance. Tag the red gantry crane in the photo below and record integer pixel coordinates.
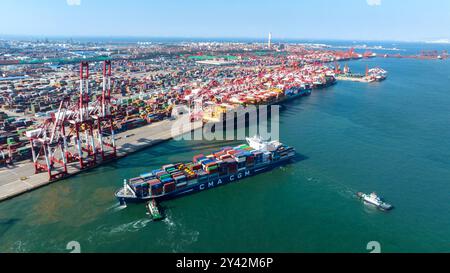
(77, 132)
(49, 144)
(104, 120)
(83, 124)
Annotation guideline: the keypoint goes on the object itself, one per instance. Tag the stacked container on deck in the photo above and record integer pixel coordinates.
(140, 186)
(227, 161)
(230, 160)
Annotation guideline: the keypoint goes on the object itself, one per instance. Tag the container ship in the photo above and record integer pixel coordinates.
(378, 74)
(229, 164)
(298, 91)
(269, 97)
(327, 81)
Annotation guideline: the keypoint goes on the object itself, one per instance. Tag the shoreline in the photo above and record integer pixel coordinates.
(140, 139)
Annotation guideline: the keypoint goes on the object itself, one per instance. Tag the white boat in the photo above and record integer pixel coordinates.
(375, 200)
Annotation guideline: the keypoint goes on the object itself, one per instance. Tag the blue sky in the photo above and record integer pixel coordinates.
(296, 19)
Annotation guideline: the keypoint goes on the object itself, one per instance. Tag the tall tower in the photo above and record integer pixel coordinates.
(269, 44)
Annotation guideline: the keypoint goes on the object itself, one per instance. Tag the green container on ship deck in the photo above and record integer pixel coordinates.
(165, 176)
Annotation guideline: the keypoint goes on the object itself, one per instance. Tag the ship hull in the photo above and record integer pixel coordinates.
(382, 206)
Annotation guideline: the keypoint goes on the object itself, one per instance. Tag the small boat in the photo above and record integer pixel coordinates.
(375, 200)
(153, 210)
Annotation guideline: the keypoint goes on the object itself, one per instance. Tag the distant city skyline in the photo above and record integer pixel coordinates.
(394, 20)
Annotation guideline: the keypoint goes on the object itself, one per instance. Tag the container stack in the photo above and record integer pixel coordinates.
(156, 187)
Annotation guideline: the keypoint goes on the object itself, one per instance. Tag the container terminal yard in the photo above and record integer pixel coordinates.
(67, 107)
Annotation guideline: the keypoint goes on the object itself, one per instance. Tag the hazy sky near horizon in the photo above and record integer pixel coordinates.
(409, 20)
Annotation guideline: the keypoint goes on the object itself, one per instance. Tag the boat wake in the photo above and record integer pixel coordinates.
(332, 184)
(20, 247)
(313, 180)
(132, 226)
(348, 193)
(178, 237)
(117, 207)
(169, 221)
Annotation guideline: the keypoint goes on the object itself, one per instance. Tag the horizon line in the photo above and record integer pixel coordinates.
(43, 36)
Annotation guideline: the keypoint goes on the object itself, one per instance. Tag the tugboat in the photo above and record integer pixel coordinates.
(153, 210)
(375, 200)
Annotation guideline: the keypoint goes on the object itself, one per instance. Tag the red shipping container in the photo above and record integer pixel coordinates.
(158, 191)
(191, 177)
(225, 157)
(154, 182)
(169, 187)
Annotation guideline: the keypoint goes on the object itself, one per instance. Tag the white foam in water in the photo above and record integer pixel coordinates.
(121, 207)
(141, 224)
(313, 180)
(177, 230)
(169, 221)
(117, 207)
(346, 193)
(19, 247)
(132, 226)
